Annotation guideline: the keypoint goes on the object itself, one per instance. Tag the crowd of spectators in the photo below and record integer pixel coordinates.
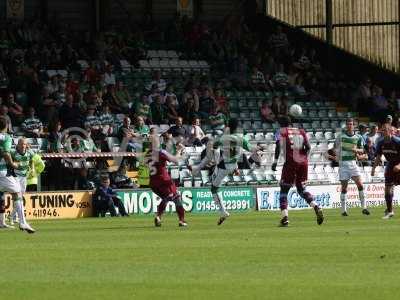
(43, 104)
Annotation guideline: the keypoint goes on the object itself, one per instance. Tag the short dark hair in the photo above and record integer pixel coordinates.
(348, 120)
(3, 123)
(284, 121)
(233, 124)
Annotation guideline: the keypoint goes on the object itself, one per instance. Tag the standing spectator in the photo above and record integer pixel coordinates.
(158, 81)
(70, 115)
(217, 122)
(372, 137)
(32, 126)
(109, 77)
(158, 112)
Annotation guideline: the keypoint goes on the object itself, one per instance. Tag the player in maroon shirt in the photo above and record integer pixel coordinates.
(162, 184)
(293, 142)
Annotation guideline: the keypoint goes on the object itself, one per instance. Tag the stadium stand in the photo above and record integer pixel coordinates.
(64, 76)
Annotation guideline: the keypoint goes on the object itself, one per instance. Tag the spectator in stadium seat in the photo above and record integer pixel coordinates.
(122, 97)
(299, 89)
(91, 75)
(171, 110)
(15, 110)
(48, 106)
(178, 131)
(4, 114)
(158, 111)
(32, 126)
(107, 120)
(280, 80)
(141, 128)
(206, 103)
(191, 93)
(221, 101)
(158, 81)
(70, 115)
(379, 107)
(109, 76)
(170, 92)
(266, 113)
(217, 121)
(91, 122)
(197, 136)
(257, 79)
(142, 109)
(53, 85)
(188, 111)
(362, 95)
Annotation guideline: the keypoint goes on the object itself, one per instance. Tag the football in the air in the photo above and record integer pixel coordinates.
(295, 110)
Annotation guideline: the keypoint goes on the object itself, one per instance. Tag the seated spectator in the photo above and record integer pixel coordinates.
(91, 75)
(284, 107)
(158, 81)
(15, 110)
(379, 107)
(53, 85)
(154, 92)
(191, 93)
(142, 109)
(123, 99)
(178, 131)
(109, 77)
(217, 121)
(105, 199)
(158, 111)
(257, 79)
(110, 98)
(197, 136)
(4, 114)
(70, 115)
(188, 111)
(266, 113)
(107, 120)
(280, 80)
(171, 110)
(92, 122)
(32, 126)
(126, 133)
(221, 101)
(299, 87)
(141, 128)
(207, 103)
(169, 92)
(48, 106)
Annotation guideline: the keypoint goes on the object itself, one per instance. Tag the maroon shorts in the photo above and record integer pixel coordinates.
(391, 178)
(163, 188)
(293, 173)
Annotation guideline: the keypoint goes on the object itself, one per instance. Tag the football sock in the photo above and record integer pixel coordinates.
(19, 206)
(161, 207)
(181, 212)
(362, 198)
(389, 202)
(284, 212)
(2, 219)
(343, 197)
(218, 201)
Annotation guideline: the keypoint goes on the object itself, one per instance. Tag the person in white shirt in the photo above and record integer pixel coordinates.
(197, 136)
(161, 83)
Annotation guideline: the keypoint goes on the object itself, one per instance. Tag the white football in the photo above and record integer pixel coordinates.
(295, 110)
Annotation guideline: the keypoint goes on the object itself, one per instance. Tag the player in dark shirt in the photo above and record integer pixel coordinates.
(293, 142)
(389, 146)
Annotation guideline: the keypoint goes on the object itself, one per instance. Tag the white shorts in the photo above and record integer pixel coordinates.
(9, 184)
(219, 175)
(348, 169)
(22, 184)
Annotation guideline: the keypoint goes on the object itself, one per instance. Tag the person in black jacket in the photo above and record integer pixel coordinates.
(105, 199)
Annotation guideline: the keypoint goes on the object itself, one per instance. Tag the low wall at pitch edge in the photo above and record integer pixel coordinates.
(78, 204)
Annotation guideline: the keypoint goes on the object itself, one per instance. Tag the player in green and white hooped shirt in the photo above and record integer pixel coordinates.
(231, 147)
(23, 156)
(7, 183)
(349, 148)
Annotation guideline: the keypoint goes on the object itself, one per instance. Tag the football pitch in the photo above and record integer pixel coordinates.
(248, 257)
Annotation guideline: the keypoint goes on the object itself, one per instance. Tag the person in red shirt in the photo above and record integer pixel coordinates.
(161, 182)
(294, 144)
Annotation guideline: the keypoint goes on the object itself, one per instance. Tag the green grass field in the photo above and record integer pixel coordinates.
(248, 257)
